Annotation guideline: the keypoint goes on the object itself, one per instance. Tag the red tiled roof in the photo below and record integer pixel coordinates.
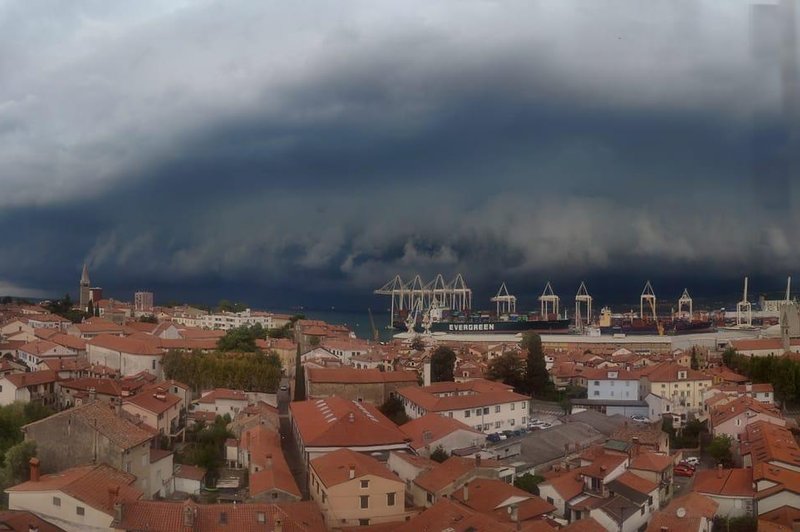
(190, 472)
(156, 402)
(447, 514)
(38, 347)
(126, 345)
(449, 472)
(728, 482)
(101, 386)
(265, 450)
(223, 394)
(786, 479)
(636, 483)
(69, 341)
(33, 378)
(646, 461)
(158, 516)
(334, 468)
(768, 442)
(432, 427)
(488, 496)
(668, 372)
(89, 484)
(482, 393)
(568, 485)
(756, 344)
(98, 325)
(22, 521)
(723, 413)
(337, 422)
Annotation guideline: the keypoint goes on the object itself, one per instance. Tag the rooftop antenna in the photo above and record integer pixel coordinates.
(744, 310)
(583, 297)
(549, 301)
(788, 289)
(648, 297)
(506, 303)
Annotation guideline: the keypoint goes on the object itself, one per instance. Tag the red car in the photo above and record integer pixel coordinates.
(682, 471)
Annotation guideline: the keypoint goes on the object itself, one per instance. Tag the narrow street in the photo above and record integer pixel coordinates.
(288, 443)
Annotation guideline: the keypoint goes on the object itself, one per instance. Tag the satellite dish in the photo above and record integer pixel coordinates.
(681, 512)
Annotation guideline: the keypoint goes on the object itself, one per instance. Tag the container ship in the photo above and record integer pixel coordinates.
(481, 322)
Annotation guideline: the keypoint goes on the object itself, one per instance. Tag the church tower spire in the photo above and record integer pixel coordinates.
(84, 288)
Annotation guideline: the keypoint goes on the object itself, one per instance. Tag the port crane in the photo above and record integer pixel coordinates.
(583, 297)
(744, 311)
(648, 298)
(685, 301)
(506, 303)
(549, 301)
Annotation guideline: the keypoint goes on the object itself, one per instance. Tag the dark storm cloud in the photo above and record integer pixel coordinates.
(330, 146)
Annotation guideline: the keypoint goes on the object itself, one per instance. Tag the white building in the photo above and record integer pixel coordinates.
(232, 320)
(483, 405)
(612, 384)
(126, 355)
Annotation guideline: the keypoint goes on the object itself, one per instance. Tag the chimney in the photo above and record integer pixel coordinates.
(278, 525)
(719, 470)
(92, 395)
(351, 417)
(113, 491)
(34, 463)
(352, 471)
(118, 512)
(33, 528)
(188, 516)
(269, 460)
(426, 373)
(477, 460)
(466, 492)
(514, 511)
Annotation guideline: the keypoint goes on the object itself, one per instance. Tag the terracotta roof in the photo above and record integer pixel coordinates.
(38, 347)
(636, 483)
(89, 484)
(119, 431)
(223, 394)
(779, 519)
(480, 393)
(265, 450)
(668, 372)
(22, 521)
(359, 376)
(153, 402)
(101, 386)
(44, 334)
(449, 515)
(568, 485)
(768, 442)
(66, 364)
(728, 482)
(98, 325)
(33, 378)
(728, 411)
(726, 374)
(69, 341)
(158, 516)
(126, 345)
(584, 525)
(786, 479)
(334, 468)
(493, 496)
(419, 462)
(432, 427)
(158, 454)
(756, 344)
(647, 461)
(189, 472)
(337, 422)
(606, 374)
(449, 472)
(603, 465)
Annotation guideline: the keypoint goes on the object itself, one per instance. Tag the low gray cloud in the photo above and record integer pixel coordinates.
(257, 142)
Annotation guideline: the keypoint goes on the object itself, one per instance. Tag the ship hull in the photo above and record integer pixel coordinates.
(496, 327)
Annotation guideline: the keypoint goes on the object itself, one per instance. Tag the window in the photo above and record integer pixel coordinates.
(324, 497)
(497, 409)
(512, 422)
(497, 424)
(390, 499)
(467, 413)
(486, 410)
(56, 501)
(449, 414)
(363, 522)
(513, 406)
(261, 517)
(364, 501)
(550, 500)
(364, 484)
(596, 392)
(80, 510)
(154, 364)
(430, 497)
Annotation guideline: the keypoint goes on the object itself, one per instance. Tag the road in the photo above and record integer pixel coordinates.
(288, 444)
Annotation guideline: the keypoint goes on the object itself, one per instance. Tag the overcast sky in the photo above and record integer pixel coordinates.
(267, 149)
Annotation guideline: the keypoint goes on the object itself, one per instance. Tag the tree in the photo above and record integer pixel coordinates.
(418, 344)
(90, 308)
(241, 339)
(16, 466)
(439, 454)
(537, 381)
(508, 369)
(728, 356)
(529, 483)
(443, 363)
(148, 318)
(720, 450)
(695, 363)
(393, 409)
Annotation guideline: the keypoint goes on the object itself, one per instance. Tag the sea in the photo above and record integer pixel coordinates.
(357, 321)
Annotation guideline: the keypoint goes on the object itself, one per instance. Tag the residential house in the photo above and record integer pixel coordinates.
(74, 392)
(169, 516)
(324, 425)
(681, 387)
(447, 514)
(157, 409)
(93, 433)
(355, 489)
(771, 444)
(504, 502)
(732, 418)
(484, 405)
(33, 353)
(657, 468)
(188, 479)
(36, 386)
(444, 479)
(127, 355)
(371, 385)
(432, 431)
(76, 499)
(731, 489)
(221, 401)
(692, 512)
(23, 521)
(777, 493)
(259, 451)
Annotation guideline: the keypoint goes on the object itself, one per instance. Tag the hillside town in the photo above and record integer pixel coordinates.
(128, 416)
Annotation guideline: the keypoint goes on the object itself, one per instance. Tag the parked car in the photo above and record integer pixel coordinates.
(692, 461)
(684, 463)
(682, 471)
(518, 432)
(508, 433)
(494, 438)
(640, 419)
(544, 425)
(284, 388)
